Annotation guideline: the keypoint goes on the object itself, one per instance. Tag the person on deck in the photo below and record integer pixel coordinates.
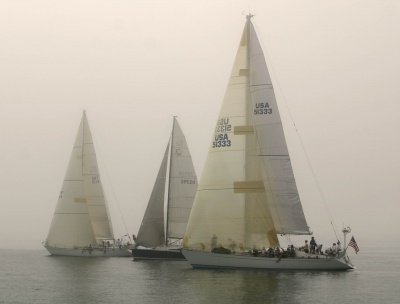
(214, 241)
(333, 249)
(305, 247)
(319, 249)
(338, 246)
(292, 251)
(313, 245)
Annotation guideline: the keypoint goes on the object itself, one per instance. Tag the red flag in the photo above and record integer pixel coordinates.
(353, 244)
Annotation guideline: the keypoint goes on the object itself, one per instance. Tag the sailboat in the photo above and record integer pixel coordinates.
(247, 194)
(81, 223)
(165, 219)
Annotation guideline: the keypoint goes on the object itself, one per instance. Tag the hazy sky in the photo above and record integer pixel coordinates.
(134, 64)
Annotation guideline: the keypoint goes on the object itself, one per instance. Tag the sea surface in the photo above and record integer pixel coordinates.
(35, 277)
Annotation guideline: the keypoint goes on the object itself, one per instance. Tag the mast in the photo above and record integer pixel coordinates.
(247, 123)
(169, 179)
(83, 141)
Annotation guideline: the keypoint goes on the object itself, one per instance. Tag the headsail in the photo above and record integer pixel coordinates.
(232, 207)
(81, 215)
(182, 184)
(94, 194)
(152, 232)
(283, 196)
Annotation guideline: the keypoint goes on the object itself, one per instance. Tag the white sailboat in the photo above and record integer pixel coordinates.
(81, 224)
(247, 194)
(164, 222)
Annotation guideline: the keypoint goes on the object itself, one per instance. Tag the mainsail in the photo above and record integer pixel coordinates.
(247, 192)
(81, 217)
(180, 184)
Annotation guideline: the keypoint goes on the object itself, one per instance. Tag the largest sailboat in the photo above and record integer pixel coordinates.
(247, 194)
(81, 223)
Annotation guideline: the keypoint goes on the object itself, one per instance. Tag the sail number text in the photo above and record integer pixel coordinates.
(95, 179)
(221, 138)
(262, 108)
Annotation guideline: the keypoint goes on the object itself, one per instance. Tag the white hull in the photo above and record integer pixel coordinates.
(200, 259)
(85, 252)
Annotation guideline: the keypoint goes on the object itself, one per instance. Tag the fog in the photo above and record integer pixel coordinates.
(132, 65)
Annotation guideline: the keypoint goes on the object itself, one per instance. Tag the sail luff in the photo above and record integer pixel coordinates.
(169, 183)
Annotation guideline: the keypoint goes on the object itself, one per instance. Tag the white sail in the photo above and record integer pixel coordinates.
(182, 184)
(81, 215)
(152, 232)
(283, 196)
(230, 207)
(243, 182)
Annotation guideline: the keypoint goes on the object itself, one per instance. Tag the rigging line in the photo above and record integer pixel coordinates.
(271, 69)
(169, 166)
(83, 141)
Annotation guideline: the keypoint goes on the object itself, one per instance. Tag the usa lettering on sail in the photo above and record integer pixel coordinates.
(262, 108)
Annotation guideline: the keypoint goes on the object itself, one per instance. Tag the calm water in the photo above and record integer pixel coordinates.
(34, 277)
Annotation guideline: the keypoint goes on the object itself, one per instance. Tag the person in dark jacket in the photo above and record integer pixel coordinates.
(313, 245)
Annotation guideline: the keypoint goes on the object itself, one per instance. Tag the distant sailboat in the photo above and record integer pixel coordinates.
(160, 234)
(247, 194)
(81, 224)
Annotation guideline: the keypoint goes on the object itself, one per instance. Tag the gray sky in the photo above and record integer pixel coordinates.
(134, 64)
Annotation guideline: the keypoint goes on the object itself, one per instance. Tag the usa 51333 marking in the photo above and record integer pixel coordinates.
(221, 133)
(262, 108)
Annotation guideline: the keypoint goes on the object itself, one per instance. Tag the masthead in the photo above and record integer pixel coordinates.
(249, 16)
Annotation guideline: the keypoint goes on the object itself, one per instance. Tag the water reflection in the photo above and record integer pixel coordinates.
(76, 278)
(179, 281)
(62, 280)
